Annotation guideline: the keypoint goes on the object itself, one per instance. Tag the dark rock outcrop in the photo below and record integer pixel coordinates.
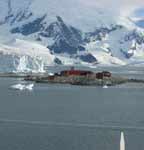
(89, 58)
(67, 38)
(31, 27)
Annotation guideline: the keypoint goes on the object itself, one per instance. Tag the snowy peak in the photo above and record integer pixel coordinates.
(67, 39)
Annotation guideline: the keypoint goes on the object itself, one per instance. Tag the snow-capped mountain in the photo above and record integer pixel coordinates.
(70, 32)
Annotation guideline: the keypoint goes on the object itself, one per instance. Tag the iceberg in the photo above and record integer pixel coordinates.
(18, 87)
(22, 87)
(105, 86)
(29, 87)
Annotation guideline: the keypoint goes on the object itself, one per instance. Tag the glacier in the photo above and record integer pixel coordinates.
(24, 56)
(19, 64)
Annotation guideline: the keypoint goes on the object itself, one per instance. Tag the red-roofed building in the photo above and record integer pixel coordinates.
(75, 73)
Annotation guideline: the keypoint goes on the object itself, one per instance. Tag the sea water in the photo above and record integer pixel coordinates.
(65, 117)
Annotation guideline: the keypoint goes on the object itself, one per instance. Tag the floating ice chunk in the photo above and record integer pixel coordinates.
(122, 142)
(18, 87)
(22, 87)
(105, 86)
(29, 87)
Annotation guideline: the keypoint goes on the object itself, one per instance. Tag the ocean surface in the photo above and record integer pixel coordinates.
(65, 117)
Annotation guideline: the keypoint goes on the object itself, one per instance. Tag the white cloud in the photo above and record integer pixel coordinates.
(120, 6)
(114, 3)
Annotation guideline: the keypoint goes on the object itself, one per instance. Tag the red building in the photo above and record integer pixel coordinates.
(75, 73)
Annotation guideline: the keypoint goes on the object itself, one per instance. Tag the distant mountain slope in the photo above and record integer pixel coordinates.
(73, 32)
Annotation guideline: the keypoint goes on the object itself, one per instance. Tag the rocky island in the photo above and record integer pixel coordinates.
(79, 77)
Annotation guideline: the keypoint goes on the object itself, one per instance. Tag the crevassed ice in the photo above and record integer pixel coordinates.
(29, 64)
(14, 63)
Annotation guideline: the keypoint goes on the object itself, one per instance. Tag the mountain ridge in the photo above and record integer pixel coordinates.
(107, 40)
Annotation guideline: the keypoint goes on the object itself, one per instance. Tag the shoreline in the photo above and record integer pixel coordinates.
(72, 80)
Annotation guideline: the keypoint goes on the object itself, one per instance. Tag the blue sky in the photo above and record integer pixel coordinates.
(140, 12)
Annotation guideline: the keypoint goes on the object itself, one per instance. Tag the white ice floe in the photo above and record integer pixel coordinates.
(18, 87)
(29, 87)
(22, 87)
(105, 86)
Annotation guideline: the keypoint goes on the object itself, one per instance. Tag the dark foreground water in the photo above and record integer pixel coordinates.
(64, 117)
